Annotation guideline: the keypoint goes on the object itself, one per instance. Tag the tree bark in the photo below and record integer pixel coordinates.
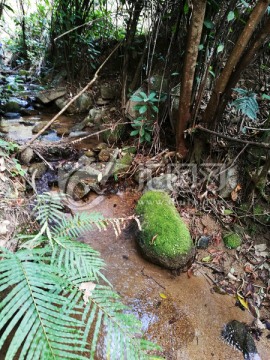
(248, 57)
(230, 66)
(187, 79)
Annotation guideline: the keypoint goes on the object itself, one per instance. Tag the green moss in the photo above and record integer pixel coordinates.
(122, 164)
(232, 240)
(114, 135)
(164, 238)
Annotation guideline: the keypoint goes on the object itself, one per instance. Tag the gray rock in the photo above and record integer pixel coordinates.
(80, 105)
(12, 115)
(163, 182)
(109, 92)
(46, 96)
(38, 127)
(80, 126)
(38, 168)
(229, 182)
(27, 155)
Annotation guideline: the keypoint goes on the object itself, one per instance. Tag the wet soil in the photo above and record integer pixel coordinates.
(179, 313)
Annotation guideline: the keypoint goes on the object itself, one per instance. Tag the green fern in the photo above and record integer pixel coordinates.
(48, 305)
(246, 103)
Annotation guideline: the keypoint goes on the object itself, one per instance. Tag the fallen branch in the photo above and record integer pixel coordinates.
(253, 143)
(71, 101)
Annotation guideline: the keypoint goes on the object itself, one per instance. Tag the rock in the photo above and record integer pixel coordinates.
(123, 163)
(78, 133)
(12, 106)
(46, 96)
(62, 130)
(78, 181)
(85, 160)
(203, 242)
(104, 155)
(12, 115)
(164, 238)
(163, 182)
(142, 175)
(96, 115)
(229, 183)
(38, 127)
(158, 83)
(38, 168)
(100, 147)
(27, 155)
(102, 102)
(89, 153)
(81, 105)
(109, 92)
(30, 111)
(232, 240)
(80, 126)
(130, 112)
(114, 135)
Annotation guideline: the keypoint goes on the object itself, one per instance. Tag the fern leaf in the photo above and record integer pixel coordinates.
(32, 308)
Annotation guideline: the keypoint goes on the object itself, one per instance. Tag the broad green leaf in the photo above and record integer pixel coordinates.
(136, 98)
(230, 16)
(220, 48)
(265, 97)
(208, 24)
(143, 109)
(134, 133)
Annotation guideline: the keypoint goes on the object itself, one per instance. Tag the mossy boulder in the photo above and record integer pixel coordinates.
(232, 240)
(164, 239)
(115, 135)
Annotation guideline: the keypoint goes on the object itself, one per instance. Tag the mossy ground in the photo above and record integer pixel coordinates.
(164, 233)
(232, 240)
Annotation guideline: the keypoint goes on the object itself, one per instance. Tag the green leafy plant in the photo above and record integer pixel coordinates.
(57, 304)
(143, 124)
(246, 103)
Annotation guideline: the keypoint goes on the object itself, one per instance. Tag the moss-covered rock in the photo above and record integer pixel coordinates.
(115, 135)
(164, 238)
(232, 240)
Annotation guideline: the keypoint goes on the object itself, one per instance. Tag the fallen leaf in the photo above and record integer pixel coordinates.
(3, 227)
(207, 259)
(87, 288)
(163, 296)
(234, 193)
(2, 164)
(242, 301)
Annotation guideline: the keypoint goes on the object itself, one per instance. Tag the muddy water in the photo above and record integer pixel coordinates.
(187, 323)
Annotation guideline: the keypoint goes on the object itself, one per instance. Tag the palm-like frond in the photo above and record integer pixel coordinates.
(33, 308)
(47, 311)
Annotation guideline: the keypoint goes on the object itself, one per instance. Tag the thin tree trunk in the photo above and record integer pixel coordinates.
(130, 34)
(250, 55)
(230, 66)
(187, 79)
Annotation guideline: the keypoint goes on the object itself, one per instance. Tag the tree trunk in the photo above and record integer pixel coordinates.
(230, 66)
(250, 55)
(130, 34)
(187, 79)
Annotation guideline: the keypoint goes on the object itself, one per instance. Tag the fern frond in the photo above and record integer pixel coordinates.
(119, 329)
(31, 308)
(78, 224)
(79, 260)
(247, 103)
